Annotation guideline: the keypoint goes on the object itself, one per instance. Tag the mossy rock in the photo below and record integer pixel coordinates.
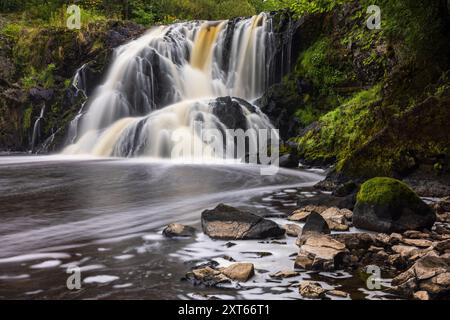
(388, 205)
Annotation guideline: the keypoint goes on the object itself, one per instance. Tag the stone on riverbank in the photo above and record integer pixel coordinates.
(337, 219)
(388, 205)
(430, 274)
(228, 223)
(320, 252)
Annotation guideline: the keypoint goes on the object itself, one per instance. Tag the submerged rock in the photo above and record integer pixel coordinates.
(388, 205)
(285, 274)
(228, 223)
(178, 230)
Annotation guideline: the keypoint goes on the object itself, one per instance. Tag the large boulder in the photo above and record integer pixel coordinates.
(228, 223)
(388, 205)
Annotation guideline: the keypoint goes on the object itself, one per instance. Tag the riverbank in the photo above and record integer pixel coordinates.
(350, 263)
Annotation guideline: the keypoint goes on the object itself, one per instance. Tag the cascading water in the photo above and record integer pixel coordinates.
(171, 78)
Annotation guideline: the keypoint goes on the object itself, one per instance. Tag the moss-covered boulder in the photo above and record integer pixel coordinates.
(388, 205)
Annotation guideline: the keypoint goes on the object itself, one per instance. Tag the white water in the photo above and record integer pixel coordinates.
(168, 79)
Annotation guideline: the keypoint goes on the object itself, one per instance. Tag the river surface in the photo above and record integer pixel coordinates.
(106, 215)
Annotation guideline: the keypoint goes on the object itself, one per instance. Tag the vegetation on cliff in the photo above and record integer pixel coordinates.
(373, 101)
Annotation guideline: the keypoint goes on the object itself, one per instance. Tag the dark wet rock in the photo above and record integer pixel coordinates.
(229, 244)
(225, 222)
(345, 189)
(326, 200)
(285, 274)
(315, 224)
(387, 205)
(178, 230)
(241, 272)
(229, 112)
(289, 161)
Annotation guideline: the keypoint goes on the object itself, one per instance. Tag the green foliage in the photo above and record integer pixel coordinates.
(317, 65)
(307, 115)
(386, 191)
(11, 30)
(42, 78)
(233, 8)
(26, 121)
(301, 7)
(342, 130)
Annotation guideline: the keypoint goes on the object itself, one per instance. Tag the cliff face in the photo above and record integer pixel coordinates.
(36, 68)
(373, 102)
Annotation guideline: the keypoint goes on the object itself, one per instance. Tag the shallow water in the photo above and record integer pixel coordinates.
(106, 216)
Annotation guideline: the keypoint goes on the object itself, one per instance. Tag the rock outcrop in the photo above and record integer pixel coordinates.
(228, 223)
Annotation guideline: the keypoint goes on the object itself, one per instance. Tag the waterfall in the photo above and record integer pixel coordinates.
(37, 128)
(173, 77)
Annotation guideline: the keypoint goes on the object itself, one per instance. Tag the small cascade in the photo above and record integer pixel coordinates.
(172, 78)
(37, 129)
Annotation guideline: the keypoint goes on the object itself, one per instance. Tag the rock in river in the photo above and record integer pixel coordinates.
(322, 252)
(388, 205)
(315, 224)
(239, 271)
(311, 290)
(178, 230)
(228, 223)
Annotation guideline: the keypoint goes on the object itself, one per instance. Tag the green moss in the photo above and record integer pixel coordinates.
(320, 65)
(27, 118)
(342, 130)
(385, 191)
